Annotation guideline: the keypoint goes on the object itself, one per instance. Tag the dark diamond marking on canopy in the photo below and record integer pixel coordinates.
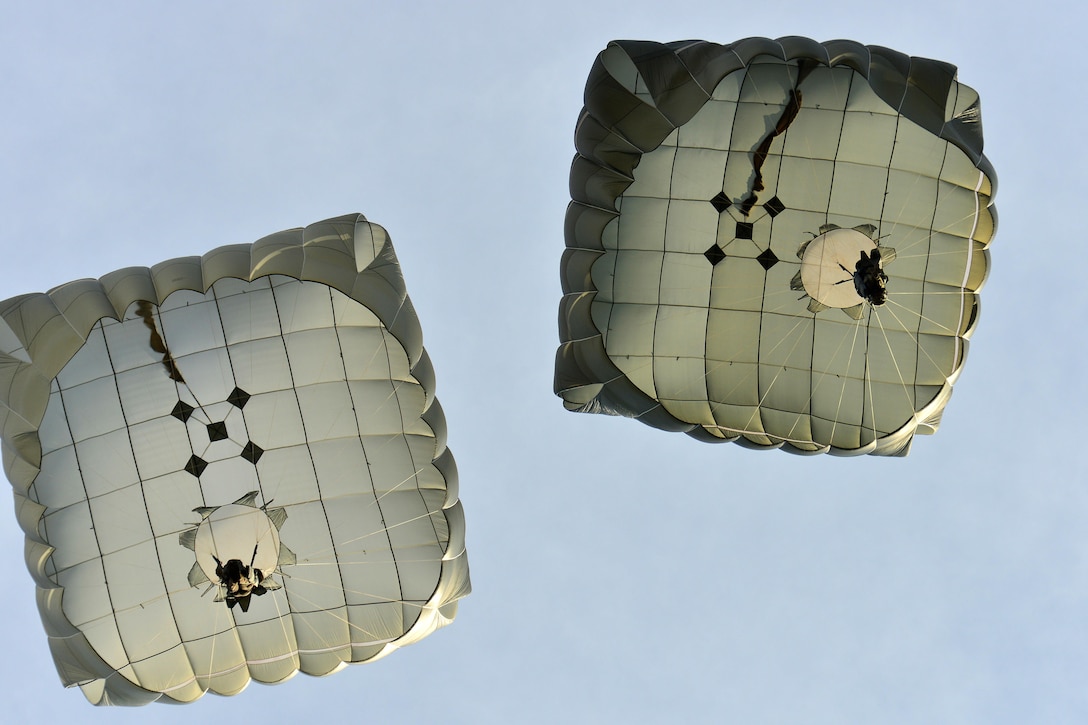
(767, 258)
(714, 255)
(774, 206)
(721, 202)
(182, 411)
(238, 398)
(252, 452)
(196, 466)
(217, 431)
(744, 230)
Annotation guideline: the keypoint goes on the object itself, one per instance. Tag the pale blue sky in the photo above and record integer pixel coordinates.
(621, 574)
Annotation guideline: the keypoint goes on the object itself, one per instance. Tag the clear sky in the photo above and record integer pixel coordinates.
(621, 574)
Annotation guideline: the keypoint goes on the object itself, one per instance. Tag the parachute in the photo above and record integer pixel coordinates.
(773, 242)
(231, 467)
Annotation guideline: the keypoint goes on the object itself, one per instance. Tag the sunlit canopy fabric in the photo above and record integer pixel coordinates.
(722, 198)
(270, 404)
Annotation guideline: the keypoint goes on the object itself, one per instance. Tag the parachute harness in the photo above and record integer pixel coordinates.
(235, 577)
(870, 281)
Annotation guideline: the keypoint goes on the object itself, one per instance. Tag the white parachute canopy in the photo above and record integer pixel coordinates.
(774, 242)
(231, 467)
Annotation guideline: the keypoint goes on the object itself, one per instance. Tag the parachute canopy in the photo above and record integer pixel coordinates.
(774, 242)
(231, 467)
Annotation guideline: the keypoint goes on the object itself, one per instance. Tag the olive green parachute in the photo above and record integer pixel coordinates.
(774, 242)
(254, 427)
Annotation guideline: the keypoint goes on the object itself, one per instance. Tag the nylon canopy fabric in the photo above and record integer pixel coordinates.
(774, 242)
(266, 410)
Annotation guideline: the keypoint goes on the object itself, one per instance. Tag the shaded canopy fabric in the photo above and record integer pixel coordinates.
(774, 242)
(270, 404)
